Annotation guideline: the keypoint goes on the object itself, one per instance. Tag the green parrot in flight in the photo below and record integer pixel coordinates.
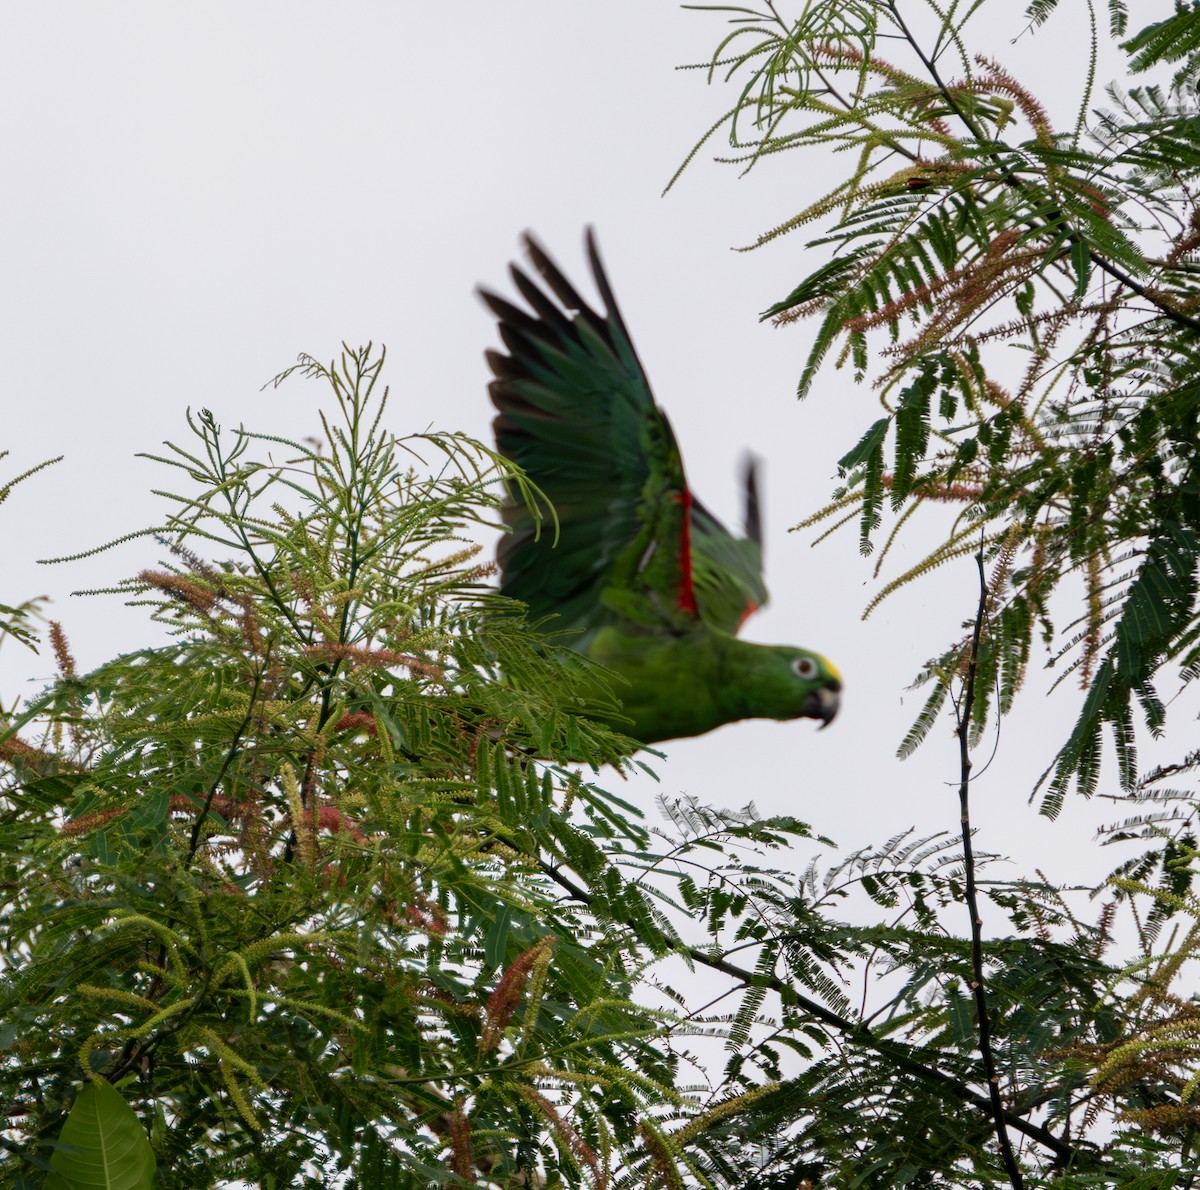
(650, 584)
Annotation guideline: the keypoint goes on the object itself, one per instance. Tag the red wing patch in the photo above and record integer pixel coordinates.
(687, 592)
(751, 608)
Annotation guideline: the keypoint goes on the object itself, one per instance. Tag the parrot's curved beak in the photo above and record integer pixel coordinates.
(823, 704)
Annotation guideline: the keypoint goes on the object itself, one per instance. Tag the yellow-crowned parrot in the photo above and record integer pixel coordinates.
(653, 585)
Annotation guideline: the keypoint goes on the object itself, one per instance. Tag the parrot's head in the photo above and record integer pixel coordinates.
(796, 684)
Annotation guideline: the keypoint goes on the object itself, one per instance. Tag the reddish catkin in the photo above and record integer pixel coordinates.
(66, 670)
(503, 1001)
(14, 747)
(949, 493)
(839, 53)
(461, 1158)
(303, 588)
(892, 311)
(968, 285)
(424, 920)
(255, 833)
(187, 591)
(335, 821)
(1108, 915)
(965, 656)
(183, 803)
(89, 822)
(1003, 567)
(999, 79)
(1187, 244)
(248, 622)
(1096, 199)
(567, 1136)
(660, 1156)
(964, 493)
(196, 564)
(357, 721)
(62, 651)
(373, 658)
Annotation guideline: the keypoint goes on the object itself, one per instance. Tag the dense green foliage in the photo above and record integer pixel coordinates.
(1023, 298)
(283, 881)
(329, 890)
(308, 888)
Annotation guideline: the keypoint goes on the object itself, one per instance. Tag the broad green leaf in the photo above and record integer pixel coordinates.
(102, 1144)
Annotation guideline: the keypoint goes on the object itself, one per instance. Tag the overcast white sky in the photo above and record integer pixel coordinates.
(195, 194)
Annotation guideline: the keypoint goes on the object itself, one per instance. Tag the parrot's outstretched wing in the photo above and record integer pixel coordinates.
(576, 412)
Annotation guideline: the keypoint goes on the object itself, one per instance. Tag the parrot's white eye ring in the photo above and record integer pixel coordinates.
(805, 667)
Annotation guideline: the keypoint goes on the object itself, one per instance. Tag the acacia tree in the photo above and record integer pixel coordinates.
(967, 224)
(278, 898)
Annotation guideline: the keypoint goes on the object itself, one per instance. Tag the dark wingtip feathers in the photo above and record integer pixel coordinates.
(610, 302)
(501, 365)
(562, 289)
(753, 505)
(507, 314)
(545, 309)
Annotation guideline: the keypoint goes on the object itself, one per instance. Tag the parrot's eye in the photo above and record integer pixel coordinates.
(805, 667)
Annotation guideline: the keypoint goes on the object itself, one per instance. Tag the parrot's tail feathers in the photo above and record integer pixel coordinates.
(753, 505)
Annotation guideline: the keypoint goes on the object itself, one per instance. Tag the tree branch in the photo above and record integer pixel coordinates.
(1009, 179)
(904, 1056)
(230, 756)
(979, 991)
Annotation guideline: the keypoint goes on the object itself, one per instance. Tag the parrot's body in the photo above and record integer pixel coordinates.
(650, 583)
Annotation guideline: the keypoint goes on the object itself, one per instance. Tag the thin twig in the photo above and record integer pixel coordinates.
(1188, 1137)
(234, 748)
(977, 984)
(906, 1057)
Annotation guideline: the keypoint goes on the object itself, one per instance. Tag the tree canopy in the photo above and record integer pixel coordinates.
(971, 233)
(333, 888)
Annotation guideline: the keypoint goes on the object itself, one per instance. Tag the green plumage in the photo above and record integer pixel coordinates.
(649, 582)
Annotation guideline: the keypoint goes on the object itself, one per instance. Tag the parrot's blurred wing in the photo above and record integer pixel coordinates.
(577, 414)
